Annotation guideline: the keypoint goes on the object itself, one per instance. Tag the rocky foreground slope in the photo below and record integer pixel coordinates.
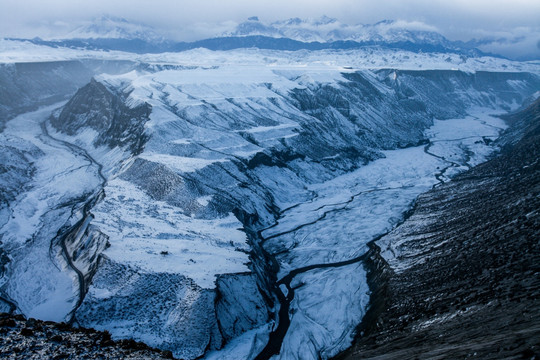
(35, 339)
(461, 277)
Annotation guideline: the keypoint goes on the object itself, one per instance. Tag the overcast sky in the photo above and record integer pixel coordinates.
(456, 19)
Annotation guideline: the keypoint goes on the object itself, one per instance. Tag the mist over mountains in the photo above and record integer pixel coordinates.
(115, 33)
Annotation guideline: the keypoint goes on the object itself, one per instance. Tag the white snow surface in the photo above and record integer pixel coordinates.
(325, 29)
(246, 346)
(372, 199)
(157, 237)
(365, 58)
(327, 307)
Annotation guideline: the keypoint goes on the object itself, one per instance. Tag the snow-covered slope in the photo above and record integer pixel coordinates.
(15, 51)
(248, 140)
(211, 199)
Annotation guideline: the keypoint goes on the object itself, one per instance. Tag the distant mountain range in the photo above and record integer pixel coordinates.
(113, 33)
(111, 27)
(327, 29)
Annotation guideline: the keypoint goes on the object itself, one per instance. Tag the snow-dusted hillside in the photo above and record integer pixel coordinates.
(219, 203)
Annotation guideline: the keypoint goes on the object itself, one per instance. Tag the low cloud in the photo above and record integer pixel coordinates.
(192, 19)
(521, 43)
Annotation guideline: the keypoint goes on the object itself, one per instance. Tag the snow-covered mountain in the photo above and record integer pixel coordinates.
(111, 27)
(111, 33)
(193, 207)
(327, 29)
(220, 203)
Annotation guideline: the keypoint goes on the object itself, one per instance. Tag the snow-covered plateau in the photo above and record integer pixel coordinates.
(369, 57)
(219, 204)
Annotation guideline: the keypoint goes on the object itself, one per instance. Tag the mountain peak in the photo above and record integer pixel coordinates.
(113, 27)
(325, 20)
(109, 18)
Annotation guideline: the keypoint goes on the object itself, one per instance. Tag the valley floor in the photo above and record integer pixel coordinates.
(320, 244)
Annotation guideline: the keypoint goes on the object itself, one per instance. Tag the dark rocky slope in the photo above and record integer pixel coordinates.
(461, 277)
(97, 107)
(34, 339)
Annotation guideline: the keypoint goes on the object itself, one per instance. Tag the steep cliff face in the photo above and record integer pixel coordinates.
(460, 277)
(97, 108)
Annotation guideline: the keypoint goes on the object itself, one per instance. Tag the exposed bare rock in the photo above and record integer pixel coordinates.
(35, 339)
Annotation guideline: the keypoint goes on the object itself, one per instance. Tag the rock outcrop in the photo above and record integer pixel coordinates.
(35, 339)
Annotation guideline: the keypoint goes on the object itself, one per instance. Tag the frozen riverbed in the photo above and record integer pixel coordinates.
(319, 243)
(43, 283)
